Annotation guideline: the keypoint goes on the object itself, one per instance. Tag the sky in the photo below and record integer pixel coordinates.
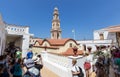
(84, 16)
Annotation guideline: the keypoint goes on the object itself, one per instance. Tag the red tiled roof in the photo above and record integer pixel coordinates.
(39, 41)
(60, 42)
(69, 52)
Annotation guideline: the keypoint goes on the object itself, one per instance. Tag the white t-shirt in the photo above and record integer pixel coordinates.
(29, 63)
(89, 58)
(75, 69)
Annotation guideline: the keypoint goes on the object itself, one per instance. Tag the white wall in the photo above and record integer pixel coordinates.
(2, 38)
(112, 36)
(57, 64)
(61, 65)
(96, 35)
(107, 35)
(17, 30)
(23, 31)
(25, 44)
(98, 32)
(92, 43)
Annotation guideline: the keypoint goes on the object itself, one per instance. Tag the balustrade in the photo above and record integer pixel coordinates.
(61, 65)
(60, 60)
(58, 64)
(16, 29)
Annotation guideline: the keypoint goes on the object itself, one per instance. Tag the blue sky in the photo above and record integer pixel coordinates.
(84, 16)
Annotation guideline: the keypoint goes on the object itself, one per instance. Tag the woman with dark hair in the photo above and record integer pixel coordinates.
(17, 69)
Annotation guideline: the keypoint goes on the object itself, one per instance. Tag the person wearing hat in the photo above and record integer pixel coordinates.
(29, 54)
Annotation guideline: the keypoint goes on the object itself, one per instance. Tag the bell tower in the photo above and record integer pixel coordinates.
(56, 31)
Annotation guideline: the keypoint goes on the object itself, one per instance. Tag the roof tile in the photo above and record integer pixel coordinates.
(69, 52)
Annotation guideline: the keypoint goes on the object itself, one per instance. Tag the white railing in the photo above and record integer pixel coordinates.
(57, 64)
(16, 29)
(61, 65)
(93, 43)
(60, 60)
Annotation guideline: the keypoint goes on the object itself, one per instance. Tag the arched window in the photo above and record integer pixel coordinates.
(45, 44)
(53, 35)
(53, 25)
(84, 47)
(57, 24)
(57, 35)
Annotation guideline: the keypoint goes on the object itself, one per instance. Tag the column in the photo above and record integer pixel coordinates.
(25, 44)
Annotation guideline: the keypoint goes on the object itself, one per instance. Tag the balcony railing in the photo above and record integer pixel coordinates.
(16, 29)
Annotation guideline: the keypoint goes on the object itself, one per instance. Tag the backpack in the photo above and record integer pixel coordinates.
(87, 65)
(81, 74)
(39, 66)
(34, 71)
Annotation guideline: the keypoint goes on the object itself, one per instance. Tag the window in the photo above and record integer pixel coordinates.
(52, 35)
(57, 24)
(11, 28)
(53, 25)
(84, 46)
(15, 29)
(70, 44)
(101, 36)
(45, 44)
(57, 35)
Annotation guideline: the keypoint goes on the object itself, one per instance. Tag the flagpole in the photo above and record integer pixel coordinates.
(73, 33)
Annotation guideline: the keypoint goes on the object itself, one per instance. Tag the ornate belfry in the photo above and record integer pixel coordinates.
(56, 31)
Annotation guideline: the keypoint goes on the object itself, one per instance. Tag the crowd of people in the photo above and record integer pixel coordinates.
(115, 58)
(13, 65)
(99, 66)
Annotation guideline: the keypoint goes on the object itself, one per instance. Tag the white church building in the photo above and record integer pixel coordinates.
(14, 33)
